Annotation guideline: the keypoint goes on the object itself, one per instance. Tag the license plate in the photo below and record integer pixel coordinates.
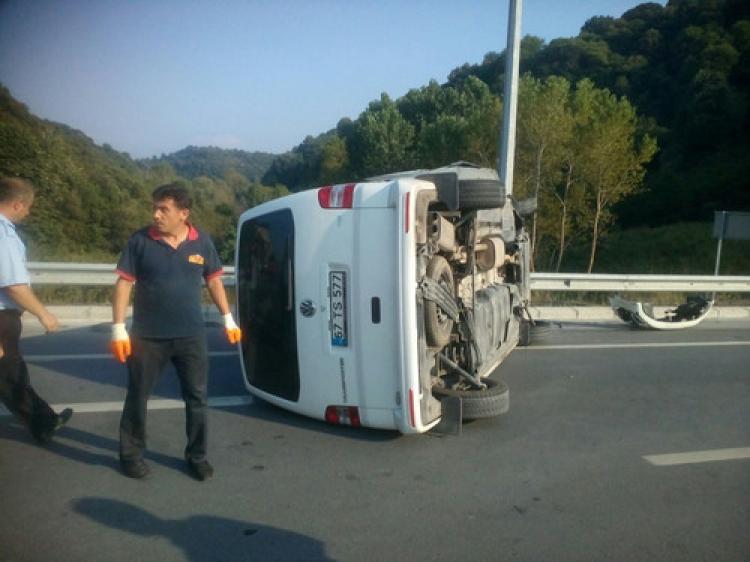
(337, 295)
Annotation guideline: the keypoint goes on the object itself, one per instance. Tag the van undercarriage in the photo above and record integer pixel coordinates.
(472, 297)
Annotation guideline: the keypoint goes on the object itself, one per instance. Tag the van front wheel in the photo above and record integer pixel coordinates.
(475, 404)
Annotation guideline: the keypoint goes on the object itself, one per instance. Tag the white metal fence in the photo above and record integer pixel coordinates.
(58, 273)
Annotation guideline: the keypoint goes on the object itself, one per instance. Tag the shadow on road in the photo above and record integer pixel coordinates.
(268, 412)
(204, 538)
(91, 445)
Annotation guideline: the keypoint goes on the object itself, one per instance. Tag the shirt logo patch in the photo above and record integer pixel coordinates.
(196, 258)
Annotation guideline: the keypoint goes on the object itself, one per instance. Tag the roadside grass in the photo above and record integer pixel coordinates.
(677, 249)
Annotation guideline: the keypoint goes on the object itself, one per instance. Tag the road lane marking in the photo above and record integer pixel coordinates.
(98, 356)
(636, 345)
(153, 404)
(695, 457)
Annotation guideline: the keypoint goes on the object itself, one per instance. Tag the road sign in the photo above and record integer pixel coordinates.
(731, 225)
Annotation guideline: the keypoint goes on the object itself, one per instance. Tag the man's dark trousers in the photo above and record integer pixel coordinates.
(189, 356)
(15, 386)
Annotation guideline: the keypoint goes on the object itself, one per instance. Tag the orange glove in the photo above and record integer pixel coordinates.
(234, 334)
(120, 344)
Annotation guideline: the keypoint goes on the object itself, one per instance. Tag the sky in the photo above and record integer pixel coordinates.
(150, 77)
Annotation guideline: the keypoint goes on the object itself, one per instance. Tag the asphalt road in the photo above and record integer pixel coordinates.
(574, 472)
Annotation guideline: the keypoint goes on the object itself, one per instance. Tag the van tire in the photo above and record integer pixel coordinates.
(474, 195)
(437, 325)
(475, 404)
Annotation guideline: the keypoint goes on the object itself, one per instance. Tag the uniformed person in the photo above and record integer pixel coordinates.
(16, 295)
(168, 263)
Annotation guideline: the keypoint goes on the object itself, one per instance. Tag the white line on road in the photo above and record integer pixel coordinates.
(155, 404)
(636, 345)
(699, 456)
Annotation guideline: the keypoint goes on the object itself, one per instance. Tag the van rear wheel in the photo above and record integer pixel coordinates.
(485, 403)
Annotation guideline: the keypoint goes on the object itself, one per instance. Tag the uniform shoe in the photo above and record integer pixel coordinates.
(63, 417)
(135, 469)
(201, 470)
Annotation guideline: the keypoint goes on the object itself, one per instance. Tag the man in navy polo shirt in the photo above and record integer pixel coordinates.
(168, 263)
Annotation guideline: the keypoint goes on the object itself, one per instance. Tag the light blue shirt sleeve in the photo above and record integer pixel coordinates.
(12, 260)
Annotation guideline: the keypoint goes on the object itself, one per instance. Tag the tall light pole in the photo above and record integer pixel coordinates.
(510, 97)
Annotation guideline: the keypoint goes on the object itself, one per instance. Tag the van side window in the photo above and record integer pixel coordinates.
(265, 289)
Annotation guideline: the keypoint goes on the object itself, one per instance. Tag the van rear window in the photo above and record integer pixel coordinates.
(265, 301)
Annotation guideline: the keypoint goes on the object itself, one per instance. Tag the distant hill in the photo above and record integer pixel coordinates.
(90, 198)
(213, 162)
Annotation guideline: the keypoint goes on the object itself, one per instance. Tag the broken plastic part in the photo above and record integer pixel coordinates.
(641, 315)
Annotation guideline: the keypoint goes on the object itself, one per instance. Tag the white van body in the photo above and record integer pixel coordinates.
(331, 297)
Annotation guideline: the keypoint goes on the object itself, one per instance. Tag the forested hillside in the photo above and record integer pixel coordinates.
(686, 68)
(639, 121)
(657, 100)
(90, 198)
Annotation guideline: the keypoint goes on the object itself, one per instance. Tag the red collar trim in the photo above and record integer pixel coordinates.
(156, 235)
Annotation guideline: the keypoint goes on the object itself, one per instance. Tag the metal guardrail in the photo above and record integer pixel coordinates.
(647, 283)
(59, 273)
(90, 274)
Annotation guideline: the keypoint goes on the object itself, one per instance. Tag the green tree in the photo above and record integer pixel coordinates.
(612, 158)
(386, 138)
(334, 164)
(545, 135)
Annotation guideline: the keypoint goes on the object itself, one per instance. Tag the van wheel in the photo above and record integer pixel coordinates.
(474, 195)
(475, 404)
(438, 324)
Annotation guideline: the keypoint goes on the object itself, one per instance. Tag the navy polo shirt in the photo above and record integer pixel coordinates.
(168, 282)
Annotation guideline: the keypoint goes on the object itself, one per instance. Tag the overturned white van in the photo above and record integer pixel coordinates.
(385, 303)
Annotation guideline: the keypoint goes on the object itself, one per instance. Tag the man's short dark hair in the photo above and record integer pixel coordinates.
(175, 191)
(13, 189)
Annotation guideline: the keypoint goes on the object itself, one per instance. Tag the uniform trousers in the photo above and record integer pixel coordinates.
(16, 391)
(149, 357)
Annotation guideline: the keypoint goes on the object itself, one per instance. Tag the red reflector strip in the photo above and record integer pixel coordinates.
(411, 408)
(406, 216)
(336, 196)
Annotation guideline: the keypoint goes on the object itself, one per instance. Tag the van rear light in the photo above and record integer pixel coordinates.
(343, 415)
(336, 196)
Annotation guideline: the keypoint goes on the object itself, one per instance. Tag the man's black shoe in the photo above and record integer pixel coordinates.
(201, 470)
(63, 417)
(135, 469)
